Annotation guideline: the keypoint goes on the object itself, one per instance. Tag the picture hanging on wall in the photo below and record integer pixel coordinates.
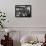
(22, 10)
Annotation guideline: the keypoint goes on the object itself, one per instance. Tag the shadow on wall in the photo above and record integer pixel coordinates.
(16, 43)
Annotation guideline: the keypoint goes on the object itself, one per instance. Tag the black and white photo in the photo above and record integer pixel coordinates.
(23, 10)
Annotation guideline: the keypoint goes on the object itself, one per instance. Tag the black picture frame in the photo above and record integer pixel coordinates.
(23, 11)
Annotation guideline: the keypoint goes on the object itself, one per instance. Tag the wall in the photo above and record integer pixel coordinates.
(36, 23)
(38, 18)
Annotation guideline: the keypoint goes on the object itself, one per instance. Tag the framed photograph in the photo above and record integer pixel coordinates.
(23, 11)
